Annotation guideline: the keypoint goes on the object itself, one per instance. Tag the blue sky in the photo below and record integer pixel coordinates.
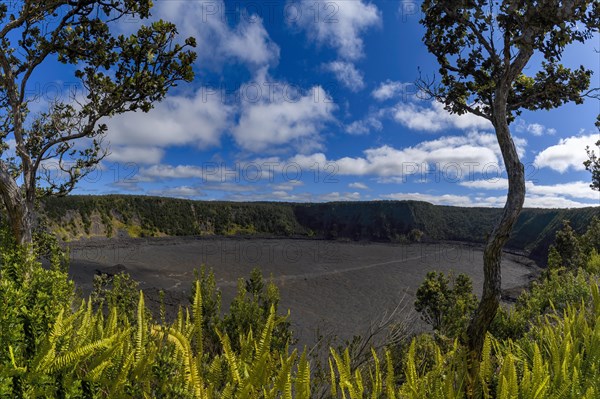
(314, 101)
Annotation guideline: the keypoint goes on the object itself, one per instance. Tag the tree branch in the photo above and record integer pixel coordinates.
(482, 40)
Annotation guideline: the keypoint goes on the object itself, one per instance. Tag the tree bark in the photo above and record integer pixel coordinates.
(19, 210)
(492, 256)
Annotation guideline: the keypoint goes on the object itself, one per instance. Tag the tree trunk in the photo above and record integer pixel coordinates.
(19, 210)
(492, 255)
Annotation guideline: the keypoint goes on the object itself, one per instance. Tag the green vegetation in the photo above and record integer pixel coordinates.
(446, 303)
(390, 221)
(120, 72)
(545, 346)
(56, 345)
(486, 52)
(592, 164)
(143, 216)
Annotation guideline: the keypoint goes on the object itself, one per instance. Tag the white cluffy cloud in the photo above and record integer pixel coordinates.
(535, 129)
(467, 155)
(576, 189)
(337, 196)
(365, 126)
(337, 24)
(247, 42)
(136, 154)
(443, 199)
(358, 185)
(435, 118)
(390, 89)
(162, 171)
(197, 120)
(347, 74)
(277, 121)
(531, 201)
(569, 153)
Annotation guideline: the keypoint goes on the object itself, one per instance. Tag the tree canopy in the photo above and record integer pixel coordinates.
(119, 73)
(483, 47)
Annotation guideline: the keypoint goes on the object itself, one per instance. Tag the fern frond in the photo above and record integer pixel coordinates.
(140, 338)
(376, 379)
(389, 376)
(333, 380)
(231, 358)
(198, 319)
(302, 382)
(71, 358)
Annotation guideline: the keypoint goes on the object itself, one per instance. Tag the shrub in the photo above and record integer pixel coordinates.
(558, 358)
(553, 293)
(446, 303)
(415, 235)
(250, 308)
(120, 291)
(593, 263)
(55, 347)
(569, 248)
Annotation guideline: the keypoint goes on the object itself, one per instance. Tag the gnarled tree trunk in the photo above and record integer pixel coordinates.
(19, 210)
(492, 256)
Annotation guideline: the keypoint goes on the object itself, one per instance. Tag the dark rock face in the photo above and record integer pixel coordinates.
(111, 270)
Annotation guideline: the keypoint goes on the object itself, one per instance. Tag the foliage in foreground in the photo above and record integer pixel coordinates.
(558, 358)
(446, 302)
(55, 346)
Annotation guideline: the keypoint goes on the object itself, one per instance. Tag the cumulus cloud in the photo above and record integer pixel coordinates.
(534, 129)
(358, 185)
(136, 154)
(460, 156)
(365, 126)
(157, 172)
(337, 24)
(247, 42)
(287, 186)
(347, 74)
(576, 189)
(569, 153)
(272, 122)
(444, 199)
(250, 43)
(553, 202)
(531, 201)
(236, 172)
(307, 161)
(203, 190)
(487, 184)
(179, 192)
(538, 130)
(435, 118)
(389, 89)
(271, 196)
(336, 196)
(197, 120)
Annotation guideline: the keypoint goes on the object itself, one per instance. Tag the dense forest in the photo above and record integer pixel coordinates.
(76, 217)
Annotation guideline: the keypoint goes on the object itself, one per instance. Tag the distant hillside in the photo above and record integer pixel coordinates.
(76, 217)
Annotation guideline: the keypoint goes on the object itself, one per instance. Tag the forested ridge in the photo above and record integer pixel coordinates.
(75, 217)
